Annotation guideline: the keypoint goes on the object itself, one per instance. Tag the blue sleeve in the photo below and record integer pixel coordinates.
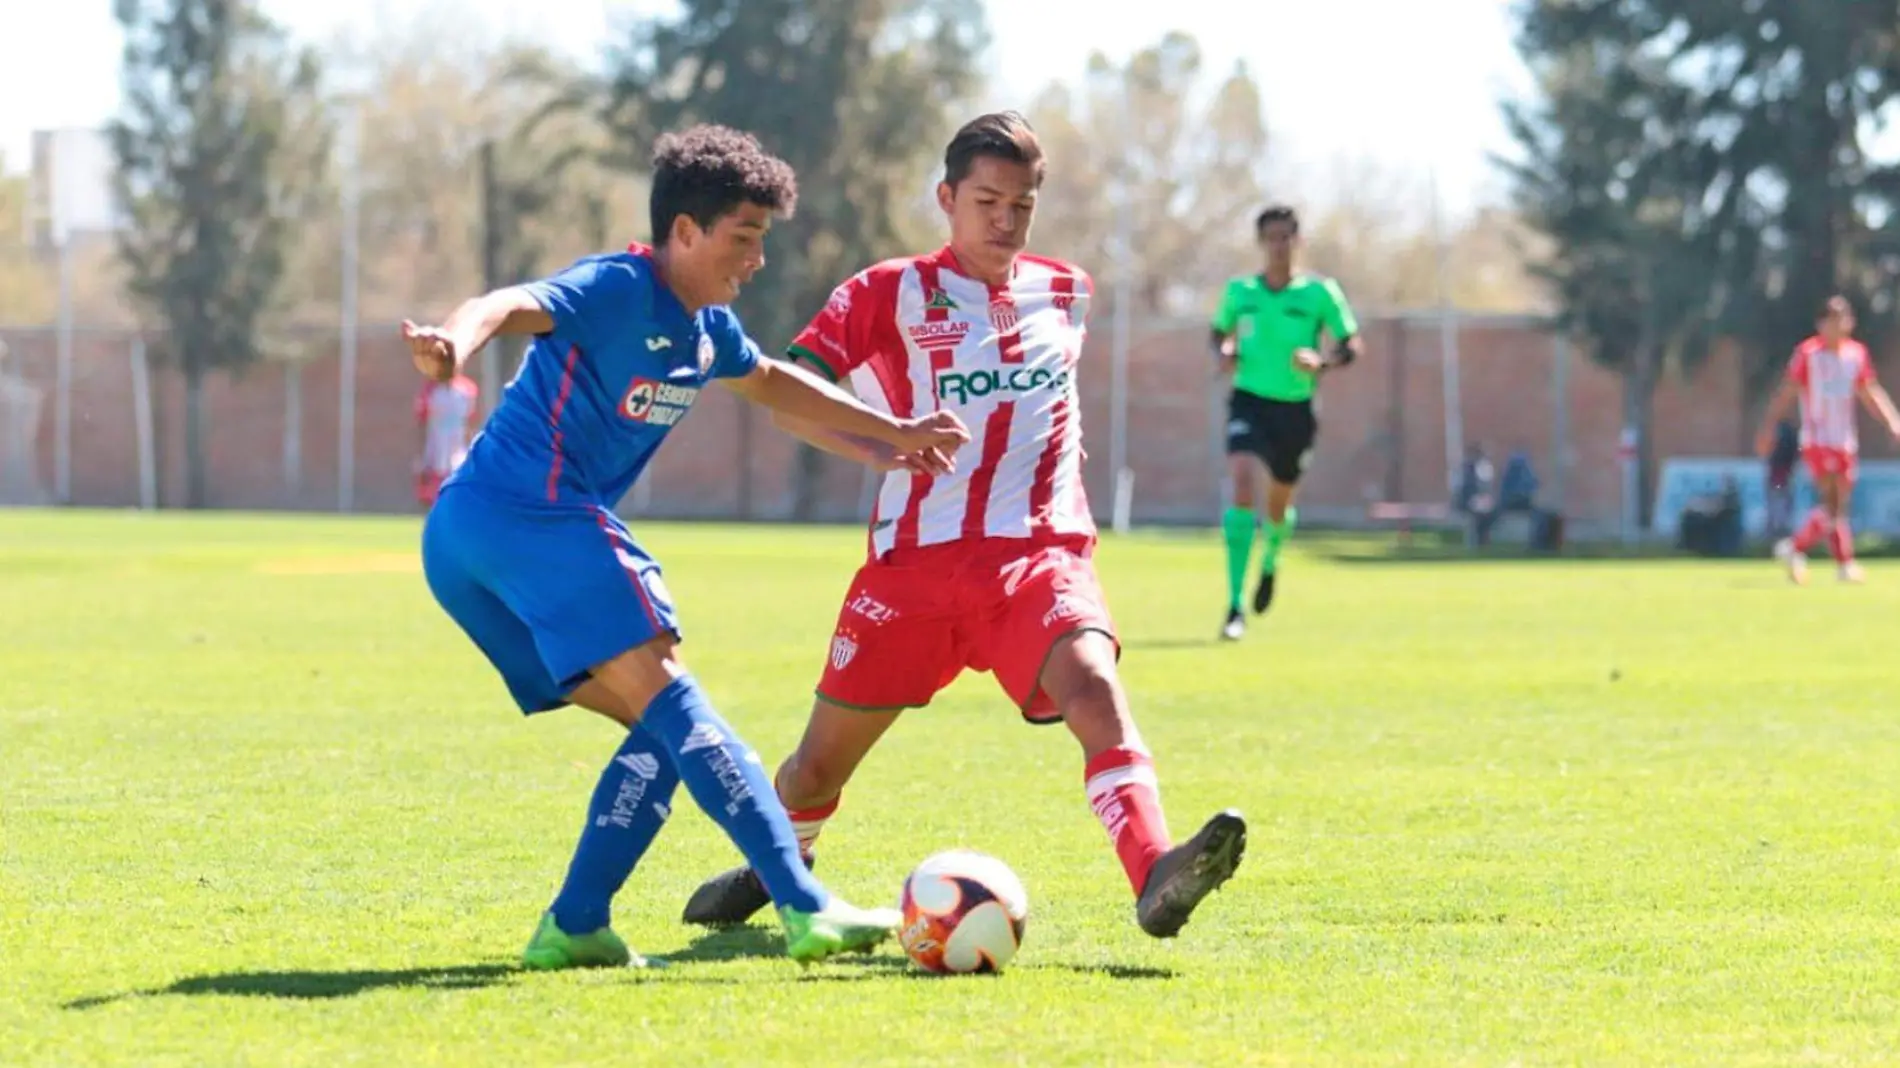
(587, 298)
(734, 354)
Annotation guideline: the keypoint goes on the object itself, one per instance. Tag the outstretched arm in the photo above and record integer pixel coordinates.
(440, 352)
(813, 403)
(1877, 401)
(871, 453)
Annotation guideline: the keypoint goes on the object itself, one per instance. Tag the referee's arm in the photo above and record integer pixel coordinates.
(1220, 339)
(1344, 326)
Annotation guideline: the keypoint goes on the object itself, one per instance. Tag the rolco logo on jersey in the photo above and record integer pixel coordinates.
(657, 403)
(961, 387)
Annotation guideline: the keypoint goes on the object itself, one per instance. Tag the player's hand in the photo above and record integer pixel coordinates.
(1764, 444)
(932, 462)
(432, 350)
(1310, 361)
(939, 430)
(1229, 360)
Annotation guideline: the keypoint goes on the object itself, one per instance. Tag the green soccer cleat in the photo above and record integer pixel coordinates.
(552, 949)
(836, 928)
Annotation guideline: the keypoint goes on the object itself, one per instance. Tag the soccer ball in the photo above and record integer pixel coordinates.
(963, 912)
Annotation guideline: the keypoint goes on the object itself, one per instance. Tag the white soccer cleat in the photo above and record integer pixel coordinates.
(1235, 628)
(1851, 572)
(1795, 562)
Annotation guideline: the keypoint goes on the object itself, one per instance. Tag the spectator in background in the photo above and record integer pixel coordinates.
(1781, 461)
(1518, 491)
(1476, 495)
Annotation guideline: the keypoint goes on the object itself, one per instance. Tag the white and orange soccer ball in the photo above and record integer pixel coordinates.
(963, 912)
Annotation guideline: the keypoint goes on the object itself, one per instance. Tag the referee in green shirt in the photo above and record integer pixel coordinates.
(1267, 335)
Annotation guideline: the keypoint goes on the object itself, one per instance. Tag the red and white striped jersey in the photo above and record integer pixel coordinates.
(446, 412)
(1830, 380)
(916, 334)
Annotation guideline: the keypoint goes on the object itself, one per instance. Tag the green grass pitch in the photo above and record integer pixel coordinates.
(262, 804)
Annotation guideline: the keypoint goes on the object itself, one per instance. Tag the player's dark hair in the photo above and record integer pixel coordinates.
(1003, 135)
(705, 173)
(1276, 213)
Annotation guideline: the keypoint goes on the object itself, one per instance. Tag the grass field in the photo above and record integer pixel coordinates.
(262, 804)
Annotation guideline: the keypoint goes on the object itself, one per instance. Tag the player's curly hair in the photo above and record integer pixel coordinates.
(705, 172)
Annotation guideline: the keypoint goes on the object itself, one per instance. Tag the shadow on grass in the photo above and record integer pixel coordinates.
(1125, 972)
(739, 943)
(316, 985)
(731, 944)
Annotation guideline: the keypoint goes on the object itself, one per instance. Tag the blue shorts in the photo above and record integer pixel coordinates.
(546, 591)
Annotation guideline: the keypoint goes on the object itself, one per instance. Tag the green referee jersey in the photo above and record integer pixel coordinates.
(1271, 325)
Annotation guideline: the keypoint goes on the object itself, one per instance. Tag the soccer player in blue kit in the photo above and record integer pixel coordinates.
(524, 551)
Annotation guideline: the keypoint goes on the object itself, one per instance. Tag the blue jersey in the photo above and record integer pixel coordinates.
(594, 399)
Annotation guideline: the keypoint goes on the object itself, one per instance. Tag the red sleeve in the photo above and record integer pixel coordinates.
(858, 323)
(834, 341)
(1866, 376)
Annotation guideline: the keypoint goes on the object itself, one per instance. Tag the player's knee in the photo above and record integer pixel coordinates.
(1241, 476)
(623, 687)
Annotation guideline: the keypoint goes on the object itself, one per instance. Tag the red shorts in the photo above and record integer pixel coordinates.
(1826, 462)
(913, 621)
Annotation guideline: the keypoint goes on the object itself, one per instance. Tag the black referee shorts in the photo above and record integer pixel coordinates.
(1281, 433)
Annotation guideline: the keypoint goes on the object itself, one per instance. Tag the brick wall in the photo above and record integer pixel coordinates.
(1383, 430)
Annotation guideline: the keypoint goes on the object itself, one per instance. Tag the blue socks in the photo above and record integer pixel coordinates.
(726, 780)
(629, 807)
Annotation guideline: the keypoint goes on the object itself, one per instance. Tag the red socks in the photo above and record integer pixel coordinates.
(1127, 799)
(1812, 531)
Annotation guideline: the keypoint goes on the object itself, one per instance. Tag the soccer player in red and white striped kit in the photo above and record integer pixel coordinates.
(1828, 373)
(987, 566)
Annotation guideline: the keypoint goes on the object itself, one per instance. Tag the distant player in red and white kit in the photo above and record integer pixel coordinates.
(445, 413)
(1829, 373)
(986, 564)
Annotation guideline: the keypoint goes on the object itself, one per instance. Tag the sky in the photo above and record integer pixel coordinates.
(1408, 86)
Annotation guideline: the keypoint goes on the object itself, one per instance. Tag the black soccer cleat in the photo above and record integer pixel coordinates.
(1263, 593)
(729, 898)
(1183, 876)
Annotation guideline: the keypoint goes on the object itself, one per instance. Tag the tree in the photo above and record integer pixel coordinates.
(1773, 100)
(857, 95)
(1636, 254)
(28, 287)
(436, 93)
(1801, 86)
(220, 131)
(1129, 149)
